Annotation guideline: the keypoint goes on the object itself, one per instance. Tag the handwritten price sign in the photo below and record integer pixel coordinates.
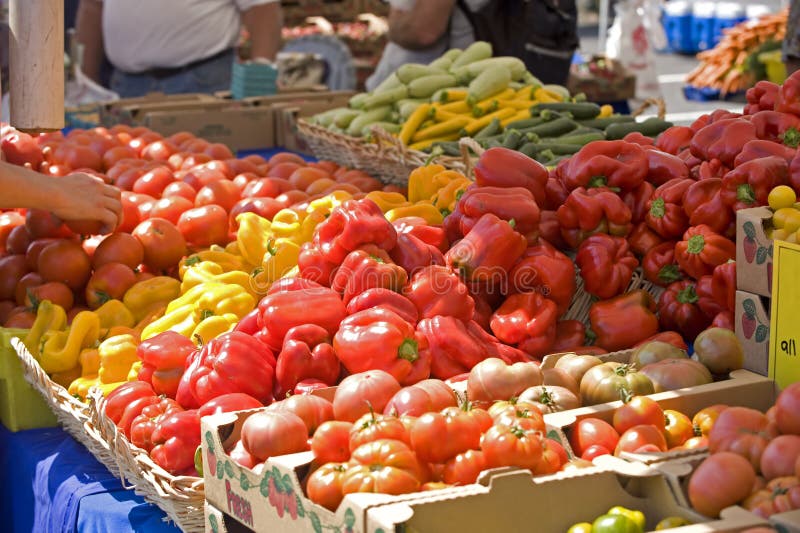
(784, 332)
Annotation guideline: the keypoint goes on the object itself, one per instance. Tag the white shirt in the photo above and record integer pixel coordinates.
(143, 34)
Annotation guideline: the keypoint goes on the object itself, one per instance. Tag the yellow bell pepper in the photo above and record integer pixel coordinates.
(150, 294)
(49, 317)
(606, 110)
(388, 200)
(117, 355)
(445, 199)
(66, 377)
(422, 183)
(328, 202)
(310, 223)
(79, 388)
(213, 327)
(221, 299)
(180, 320)
(114, 313)
(60, 350)
(286, 224)
(252, 236)
(282, 255)
(191, 296)
(133, 373)
(216, 254)
(206, 271)
(89, 360)
(424, 210)
(293, 273)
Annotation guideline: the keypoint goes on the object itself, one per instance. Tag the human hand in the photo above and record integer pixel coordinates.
(80, 196)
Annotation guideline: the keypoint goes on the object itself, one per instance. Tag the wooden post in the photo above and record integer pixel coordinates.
(36, 69)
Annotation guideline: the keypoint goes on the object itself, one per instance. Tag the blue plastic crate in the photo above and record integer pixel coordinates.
(707, 94)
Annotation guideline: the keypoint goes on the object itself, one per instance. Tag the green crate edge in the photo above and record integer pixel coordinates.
(21, 406)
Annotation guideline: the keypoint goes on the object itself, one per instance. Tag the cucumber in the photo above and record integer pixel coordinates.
(558, 148)
(344, 117)
(367, 118)
(515, 66)
(384, 98)
(492, 129)
(580, 111)
(474, 52)
(357, 101)
(425, 86)
(529, 149)
(390, 127)
(525, 123)
(579, 139)
(451, 148)
(411, 71)
(389, 83)
(603, 123)
(650, 127)
(554, 128)
(494, 143)
(512, 139)
(443, 63)
(407, 106)
(580, 130)
(489, 82)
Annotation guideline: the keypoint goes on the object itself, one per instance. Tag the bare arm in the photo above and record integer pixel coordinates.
(264, 23)
(74, 197)
(422, 26)
(89, 33)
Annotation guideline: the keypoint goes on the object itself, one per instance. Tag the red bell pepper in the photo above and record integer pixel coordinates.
(164, 361)
(501, 167)
(528, 320)
(555, 193)
(313, 266)
(142, 427)
(706, 301)
(715, 116)
(282, 311)
(709, 169)
(643, 239)
(412, 254)
(233, 362)
(659, 265)
(663, 167)
(678, 310)
(118, 400)
(637, 138)
(788, 98)
(550, 230)
(307, 386)
(665, 214)
(362, 270)
(249, 324)
(437, 290)
(691, 161)
(307, 353)
(175, 441)
(675, 139)
(570, 334)
(380, 339)
(761, 97)
(292, 284)
(488, 251)
(615, 164)
(387, 299)
(455, 347)
(134, 409)
(545, 270)
(514, 203)
(704, 205)
(758, 149)
(419, 228)
(749, 184)
(606, 265)
(777, 127)
(670, 337)
(702, 249)
(483, 312)
(591, 211)
(623, 321)
(351, 225)
(724, 320)
(723, 285)
(637, 200)
(227, 403)
(723, 140)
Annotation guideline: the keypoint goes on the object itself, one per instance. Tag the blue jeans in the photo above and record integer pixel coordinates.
(208, 77)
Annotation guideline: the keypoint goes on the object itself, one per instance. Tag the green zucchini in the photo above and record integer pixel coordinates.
(384, 98)
(443, 63)
(603, 123)
(475, 52)
(493, 128)
(452, 54)
(580, 139)
(451, 148)
(357, 101)
(554, 128)
(650, 127)
(407, 106)
(367, 118)
(411, 71)
(515, 67)
(326, 118)
(580, 111)
(529, 149)
(558, 148)
(344, 117)
(489, 82)
(530, 79)
(425, 86)
(389, 83)
(512, 139)
(525, 123)
(390, 127)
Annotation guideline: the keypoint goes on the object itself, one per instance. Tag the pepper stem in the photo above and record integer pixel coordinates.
(791, 137)
(408, 350)
(271, 247)
(658, 208)
(597, 181)
(688, 295)
(745, 194)
(696, 244)
(669, 273)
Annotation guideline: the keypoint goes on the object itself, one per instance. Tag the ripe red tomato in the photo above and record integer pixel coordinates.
(109, 282)
(204, 226)
(241, 457)
(34, 249)
(41, 223)
(512, 446)
(119, 248)
(438, 437)
(126, 179)
(523, 414)
(159, 150)
(56, 292)
(179, 188)
(429, 395)
(154, 181)
(286, 157)
(591, 431)
(145, 208)
(492, 379)
(18, 240)
(223, 193)
(28, 281)
(638, 436)
(357, 394)
(331, 442)
(595, 450)
(263, 207)
(744, 431)
(780, 456)
(140, 142)
(325, 485)
(130, 211)
(303, 177)
(554, 456)
(787, 410)
(639, 410)
(312, 410)
(170, 208)
(372, 427)
(6, 306)
(199, 177)
(704, 419)
(20, 317)
(115, 155)
(722, 480)
(65, 261)
(163, 243)
(678, 428)
(221, 166)
(181, 137)
(464, 468)
(8, 221)
(266, 188)
(194, 160)
(20, 148)
(85, 227)
(218, 151)
(269, 433)
(80, 156)
(283, 170)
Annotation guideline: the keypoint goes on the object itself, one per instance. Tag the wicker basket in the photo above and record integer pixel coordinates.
(582, 301)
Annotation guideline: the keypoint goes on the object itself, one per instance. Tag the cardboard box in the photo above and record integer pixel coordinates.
(744, 388)
(287, 114)
(119, 112)
(753, 251)
(218, 522)
(752, 329)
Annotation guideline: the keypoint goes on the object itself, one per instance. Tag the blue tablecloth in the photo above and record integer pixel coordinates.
(51, 483)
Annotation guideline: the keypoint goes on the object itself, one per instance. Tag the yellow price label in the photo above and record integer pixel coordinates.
(784, 329)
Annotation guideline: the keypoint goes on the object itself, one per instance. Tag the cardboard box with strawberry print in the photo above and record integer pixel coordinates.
(753, 251)
(752, 330)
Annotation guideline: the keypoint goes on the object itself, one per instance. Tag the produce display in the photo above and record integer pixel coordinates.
(623, 519)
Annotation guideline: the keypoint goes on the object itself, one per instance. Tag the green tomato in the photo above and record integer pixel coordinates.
(636, 516)
(583, 527)
(615, 523)
(671, 522)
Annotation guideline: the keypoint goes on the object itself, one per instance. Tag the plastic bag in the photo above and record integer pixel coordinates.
(634, 35)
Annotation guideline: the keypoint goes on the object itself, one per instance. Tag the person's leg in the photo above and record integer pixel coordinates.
(131, 85)
(208, 77)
